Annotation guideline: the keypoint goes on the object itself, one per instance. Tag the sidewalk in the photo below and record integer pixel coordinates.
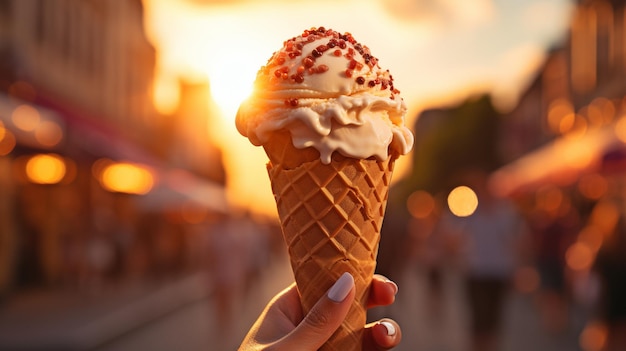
(72, 320)
(180, 315)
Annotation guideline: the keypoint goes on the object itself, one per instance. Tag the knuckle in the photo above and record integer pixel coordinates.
(317, 320)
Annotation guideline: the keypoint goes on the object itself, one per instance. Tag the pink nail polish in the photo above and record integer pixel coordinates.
(341, 288)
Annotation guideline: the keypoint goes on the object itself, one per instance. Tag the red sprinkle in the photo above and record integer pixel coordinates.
(291, 102)
(322, 68)
(357, 56)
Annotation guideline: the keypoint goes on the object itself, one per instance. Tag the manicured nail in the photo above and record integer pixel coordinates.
(341, 288)
(391, 330)
(394, 286)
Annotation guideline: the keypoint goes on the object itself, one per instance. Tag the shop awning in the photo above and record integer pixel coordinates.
(563, 161)
(178, 187)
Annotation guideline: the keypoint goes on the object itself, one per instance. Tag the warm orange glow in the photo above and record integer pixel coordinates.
(193, 213)
(579, 256)
(526, 280)
(600, 111)
(591, 236)
(229, 87)
(567, 123)
(593, 186)
(420, 204)
(227, 42)
(620, 129)
(462, 201)
(580, 126)
(549, 198)
(166, 95)
(127, 178)
(71, 171)
(99, 165)
(7, 141)
(26, 118)
(574, 152)
(560, 110)
(593, 337)
(573, 124)
(23, 91)
(48, 133)
(45, 169)
(605, 216)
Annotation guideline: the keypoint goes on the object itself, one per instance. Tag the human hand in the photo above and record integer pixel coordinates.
(283, 327)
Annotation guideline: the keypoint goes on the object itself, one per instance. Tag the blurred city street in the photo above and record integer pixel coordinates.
(136, 214)
(180, 315)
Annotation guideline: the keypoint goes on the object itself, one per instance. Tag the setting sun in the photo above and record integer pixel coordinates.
(227, 42)
(229, 87)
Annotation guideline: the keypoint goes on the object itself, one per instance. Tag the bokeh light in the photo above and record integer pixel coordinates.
(45, 169)
(579, 256)
(593, 337)
(592, 236)
(26, 118)
(420, 204)
(620, 129)
(605, 216)
(127, 178)
(462, 201)
(550, 198)
(48, 133)
(600, 112)
(560, 112)
(593, 186)
(7, 141)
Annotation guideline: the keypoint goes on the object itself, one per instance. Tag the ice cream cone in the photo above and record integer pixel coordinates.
(332, 124)
(331, 215)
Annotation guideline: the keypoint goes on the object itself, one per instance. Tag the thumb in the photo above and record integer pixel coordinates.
(325, 317)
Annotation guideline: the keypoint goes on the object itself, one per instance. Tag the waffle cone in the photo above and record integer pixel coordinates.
(331, 215)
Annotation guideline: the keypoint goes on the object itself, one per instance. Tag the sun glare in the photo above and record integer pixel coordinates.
(229, 87)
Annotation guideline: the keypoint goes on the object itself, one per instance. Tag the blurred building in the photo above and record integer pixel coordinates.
(581, 86)
(91, 185)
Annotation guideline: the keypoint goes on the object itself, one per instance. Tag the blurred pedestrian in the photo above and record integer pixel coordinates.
(611, 267)
(552, 234)
(489, 239)
(227, 269)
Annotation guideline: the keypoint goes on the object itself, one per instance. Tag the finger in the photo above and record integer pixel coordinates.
(382, 291)
(382, 335)
(285, 313)
(324, 318)
(288, 304)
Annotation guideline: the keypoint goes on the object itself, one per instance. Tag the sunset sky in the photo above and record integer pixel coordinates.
(439, 52)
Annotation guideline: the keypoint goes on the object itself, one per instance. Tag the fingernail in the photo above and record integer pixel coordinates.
(341, 288)
(391, 330)
(394, 286)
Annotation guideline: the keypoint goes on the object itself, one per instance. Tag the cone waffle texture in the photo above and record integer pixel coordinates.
(331, 215)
